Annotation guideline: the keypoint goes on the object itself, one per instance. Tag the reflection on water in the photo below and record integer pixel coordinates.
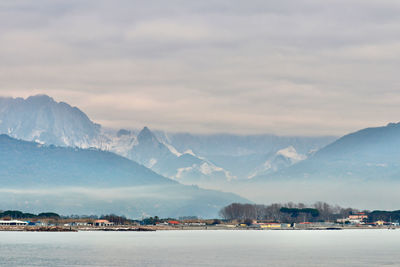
(202, 248)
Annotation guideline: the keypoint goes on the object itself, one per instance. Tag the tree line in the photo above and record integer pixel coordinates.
(16, 214)
(287, 212)
(387, 216)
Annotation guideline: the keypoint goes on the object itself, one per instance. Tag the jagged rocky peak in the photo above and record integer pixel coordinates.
(146, 135)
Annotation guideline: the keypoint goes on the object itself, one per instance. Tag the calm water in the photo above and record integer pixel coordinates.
(202, 248)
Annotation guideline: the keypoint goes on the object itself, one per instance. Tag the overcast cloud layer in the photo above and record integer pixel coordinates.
(286, 67)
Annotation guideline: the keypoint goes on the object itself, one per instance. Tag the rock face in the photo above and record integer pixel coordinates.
(39, 118)
(163, 158)
(148, 150)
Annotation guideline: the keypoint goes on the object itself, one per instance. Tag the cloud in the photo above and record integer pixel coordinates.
(168, 31)
(307, 68)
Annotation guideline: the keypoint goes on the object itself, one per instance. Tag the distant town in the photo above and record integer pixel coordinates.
(290, 216)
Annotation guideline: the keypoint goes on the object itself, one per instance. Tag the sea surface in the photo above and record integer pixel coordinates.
(202, 248)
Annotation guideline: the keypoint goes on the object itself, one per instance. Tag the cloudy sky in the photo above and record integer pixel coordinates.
(301, 67)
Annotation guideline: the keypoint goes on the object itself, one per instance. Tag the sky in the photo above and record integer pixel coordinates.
(303, 67)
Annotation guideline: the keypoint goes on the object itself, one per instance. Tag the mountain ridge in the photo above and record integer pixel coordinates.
(95, 178)
(370, 153)
(40, 118)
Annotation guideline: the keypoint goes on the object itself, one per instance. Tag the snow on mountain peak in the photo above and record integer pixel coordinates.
(283, 158)
(173, 150)
(190, 152)
(41, 118)
(291, 153)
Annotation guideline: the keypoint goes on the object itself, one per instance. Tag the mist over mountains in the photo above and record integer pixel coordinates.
(368, 154)
(34, 177)
(188, 158)
(361, 169)
(247, 156)
(67, 150)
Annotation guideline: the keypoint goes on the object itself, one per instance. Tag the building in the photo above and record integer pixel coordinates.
(270, 225)
(174, 223)
(76, 224)
(12, 222)
(358, 216)
(102, 223)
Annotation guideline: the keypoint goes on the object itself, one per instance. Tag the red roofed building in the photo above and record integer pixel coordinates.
(358, 216)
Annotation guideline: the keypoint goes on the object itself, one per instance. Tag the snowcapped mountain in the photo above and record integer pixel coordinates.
(120, 142)
(283, 158)
(291, 154)
(43, 120)
(368, 154)
(210, 145)
(65, 179)
(39, 118)
(165, 159)
(245, 155)
(188, 158)
(148, 150)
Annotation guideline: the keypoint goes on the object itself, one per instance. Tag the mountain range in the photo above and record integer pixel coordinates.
(360, 169)
(258, 167)
(368, 154)
(187, 158)
(67, 179)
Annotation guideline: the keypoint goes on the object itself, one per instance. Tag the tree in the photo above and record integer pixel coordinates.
(118, 220)
(49, 215)
(248, 222)
(151, 220)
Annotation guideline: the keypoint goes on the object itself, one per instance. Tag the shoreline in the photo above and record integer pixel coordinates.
(177, 228)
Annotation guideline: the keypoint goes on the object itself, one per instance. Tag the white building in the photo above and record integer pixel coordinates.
(13, 222)
(103, 223)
